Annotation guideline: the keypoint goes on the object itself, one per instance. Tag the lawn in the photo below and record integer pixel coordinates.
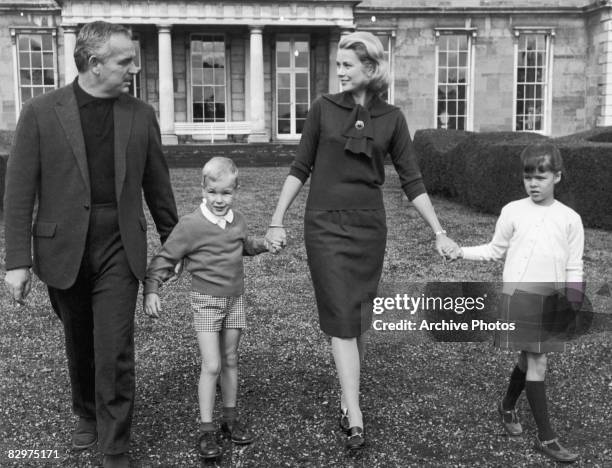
(425, 403)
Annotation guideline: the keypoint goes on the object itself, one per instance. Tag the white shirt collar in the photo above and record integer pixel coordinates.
(220, 221)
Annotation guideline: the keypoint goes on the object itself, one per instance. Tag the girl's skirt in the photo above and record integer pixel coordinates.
(540, 322)
(345, 255)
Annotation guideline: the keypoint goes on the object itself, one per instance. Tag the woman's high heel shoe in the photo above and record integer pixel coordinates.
(355, 438)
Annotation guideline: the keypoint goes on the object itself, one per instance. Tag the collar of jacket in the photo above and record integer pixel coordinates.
(376, 106)
(357, 128)
(67, 111)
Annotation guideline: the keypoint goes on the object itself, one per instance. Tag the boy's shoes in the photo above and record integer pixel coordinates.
(208, 446)
(556, 451)
(355, 438)
(344, 420)
(119, 460)
(237, 431)
(510, 421)
(85, 434)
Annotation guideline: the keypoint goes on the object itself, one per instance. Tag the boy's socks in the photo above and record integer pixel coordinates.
(536, 396)
(230, 413)
(207, 427)
(515, 387)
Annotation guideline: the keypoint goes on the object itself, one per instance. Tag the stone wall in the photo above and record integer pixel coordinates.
(180, 62)
(7, 92)
(493, 59)
(237, 64)
(472, 3)
(569, 80)
(582, 76)
(148, 55)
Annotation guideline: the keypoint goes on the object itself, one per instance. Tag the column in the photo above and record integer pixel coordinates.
(333, 83)
(166, 85)
(16, 89)
(256, 86)
(70, 69)
(247, 83)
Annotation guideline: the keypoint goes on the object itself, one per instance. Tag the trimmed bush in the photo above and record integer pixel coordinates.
(6, 137)
(483, 170)
(587, 181)
(432, 147)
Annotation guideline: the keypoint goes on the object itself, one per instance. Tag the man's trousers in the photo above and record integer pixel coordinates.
(97, 312)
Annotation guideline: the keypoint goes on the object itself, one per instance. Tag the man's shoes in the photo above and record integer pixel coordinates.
(208, 446)
(344, 420)
(509, 419)
(237, 431)
(556, 451)
(85, 434)
(119, 460)
(355, 438)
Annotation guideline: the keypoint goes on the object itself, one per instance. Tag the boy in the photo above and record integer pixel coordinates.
(212, 241)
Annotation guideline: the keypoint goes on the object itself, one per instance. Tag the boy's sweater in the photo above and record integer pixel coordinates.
(212, 255)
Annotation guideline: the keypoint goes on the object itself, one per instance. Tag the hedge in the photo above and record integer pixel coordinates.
(483, 170)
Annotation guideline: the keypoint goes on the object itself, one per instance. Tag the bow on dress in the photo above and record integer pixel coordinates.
(359, 132)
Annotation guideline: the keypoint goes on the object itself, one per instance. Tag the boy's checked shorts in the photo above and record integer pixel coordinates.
(213, 313)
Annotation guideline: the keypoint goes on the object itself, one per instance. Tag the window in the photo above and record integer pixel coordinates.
(387, 41)
(532, 76)
(292, 85)
(208, 78)
(36, 63)
(136, 85)
(454, 79)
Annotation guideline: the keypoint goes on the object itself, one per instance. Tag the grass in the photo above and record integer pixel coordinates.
(425, 403)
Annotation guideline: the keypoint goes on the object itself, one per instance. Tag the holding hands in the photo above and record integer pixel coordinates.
(152, 305)
(276, 239)
(448, 247)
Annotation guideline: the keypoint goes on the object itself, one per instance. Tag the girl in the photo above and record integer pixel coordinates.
(344, 142)
(543, 241)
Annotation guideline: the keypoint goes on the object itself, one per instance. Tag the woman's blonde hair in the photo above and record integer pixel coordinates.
(370, 51)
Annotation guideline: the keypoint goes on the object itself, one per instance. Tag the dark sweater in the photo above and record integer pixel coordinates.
(98, 125)
(212, 255)
(343, 147)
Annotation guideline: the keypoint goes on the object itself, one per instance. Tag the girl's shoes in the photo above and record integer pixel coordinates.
(556, 451)
(344, 420)
(208, 446)
(355, 438)
(237, 431)
(509, 419)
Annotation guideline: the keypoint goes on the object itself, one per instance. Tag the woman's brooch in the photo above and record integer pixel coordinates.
(359, 125)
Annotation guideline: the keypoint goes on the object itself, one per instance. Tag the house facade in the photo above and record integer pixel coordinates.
(250, 69)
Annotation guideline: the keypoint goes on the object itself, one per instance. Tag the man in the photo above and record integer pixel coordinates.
(84, 154)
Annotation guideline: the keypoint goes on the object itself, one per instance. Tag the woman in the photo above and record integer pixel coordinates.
(344, 142)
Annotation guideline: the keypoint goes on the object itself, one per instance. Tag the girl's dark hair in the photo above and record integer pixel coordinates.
(542, 157)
